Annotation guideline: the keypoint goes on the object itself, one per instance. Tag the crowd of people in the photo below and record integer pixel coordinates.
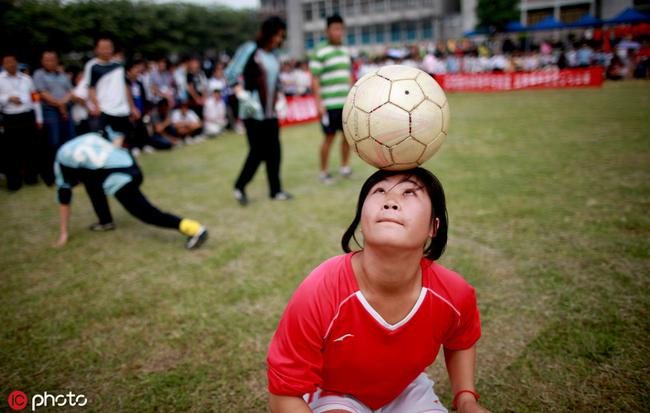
(155, 104)
(623, 60)
(159, 104)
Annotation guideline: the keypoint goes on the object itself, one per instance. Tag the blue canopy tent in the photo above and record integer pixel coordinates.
(478, 32)
(515, 26)
(629, 15)
(548, 23)
(587, 20)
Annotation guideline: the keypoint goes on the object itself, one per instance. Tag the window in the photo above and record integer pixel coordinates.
(378, 5)
(307, 12)
(336, 6)
(365, 35)
(322, 13)
(535, 16)
(427, 29)
(350, 7)
(309, 41)
(395, 32)
(411, 31)
(364, 6)
(379, 33)
(352, 38)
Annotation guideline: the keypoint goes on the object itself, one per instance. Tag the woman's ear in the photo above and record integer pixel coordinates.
(434, 228)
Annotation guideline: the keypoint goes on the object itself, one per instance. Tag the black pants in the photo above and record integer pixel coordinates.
(21, 149)
(134, 202)
(120, 124)
(264, 145)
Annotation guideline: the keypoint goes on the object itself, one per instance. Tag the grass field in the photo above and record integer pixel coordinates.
(549, 199)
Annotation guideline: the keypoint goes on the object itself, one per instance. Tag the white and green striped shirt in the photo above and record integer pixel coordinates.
(333, 68)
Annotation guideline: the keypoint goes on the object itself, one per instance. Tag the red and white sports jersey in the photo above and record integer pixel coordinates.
(331, 338)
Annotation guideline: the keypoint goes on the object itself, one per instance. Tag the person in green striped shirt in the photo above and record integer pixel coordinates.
(331, 81)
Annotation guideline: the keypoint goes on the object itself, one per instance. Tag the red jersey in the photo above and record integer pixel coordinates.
(331, 338)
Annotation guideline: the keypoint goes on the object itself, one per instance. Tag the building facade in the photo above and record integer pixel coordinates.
(373, 25)
(568, 11)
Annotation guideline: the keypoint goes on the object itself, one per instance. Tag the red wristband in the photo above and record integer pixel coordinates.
(454, 403)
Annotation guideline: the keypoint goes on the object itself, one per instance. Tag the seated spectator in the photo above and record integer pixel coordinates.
(218, 79)
(162, 82)
(186, 123)
(616, 69)
(302, 77)
(214, 114)
(584, 55)
(287, 80)
(163, 132)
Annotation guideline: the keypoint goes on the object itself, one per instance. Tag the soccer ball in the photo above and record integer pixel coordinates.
(396, 118)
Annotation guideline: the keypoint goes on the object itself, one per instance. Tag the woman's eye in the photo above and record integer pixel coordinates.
(379, 191)
(409, 192)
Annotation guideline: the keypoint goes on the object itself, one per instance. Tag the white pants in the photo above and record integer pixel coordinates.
(418, 397)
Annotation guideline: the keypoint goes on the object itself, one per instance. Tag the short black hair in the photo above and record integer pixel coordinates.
(334, 18)
(134, 62)
(270, 27)
(434, 189)
(104, 36)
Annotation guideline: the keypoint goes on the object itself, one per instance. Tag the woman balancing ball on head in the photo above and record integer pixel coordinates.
(361, 329)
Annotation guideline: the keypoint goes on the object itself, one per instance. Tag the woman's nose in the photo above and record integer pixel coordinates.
(390, 204)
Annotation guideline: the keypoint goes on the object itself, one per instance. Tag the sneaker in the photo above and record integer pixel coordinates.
(102, 227)
(148, 149)
(197, 239)
(345, 171)
(325, 178)
(135, 152)
(282, 196)
(241, 197)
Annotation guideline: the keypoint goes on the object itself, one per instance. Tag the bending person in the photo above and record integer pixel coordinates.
(105, 168)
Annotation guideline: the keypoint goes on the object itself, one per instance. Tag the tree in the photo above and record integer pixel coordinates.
(27, 27)
(495, 14)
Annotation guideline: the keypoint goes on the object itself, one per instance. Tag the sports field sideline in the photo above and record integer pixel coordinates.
(548, 196)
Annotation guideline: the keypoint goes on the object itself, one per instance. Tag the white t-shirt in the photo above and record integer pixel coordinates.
(109, 82)
(188, 116)
(214, 115)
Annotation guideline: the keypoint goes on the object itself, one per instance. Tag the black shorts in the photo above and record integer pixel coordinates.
(335, 118)
(120, 124)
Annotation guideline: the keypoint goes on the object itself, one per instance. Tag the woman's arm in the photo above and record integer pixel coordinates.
(288, 404)
(460, 367)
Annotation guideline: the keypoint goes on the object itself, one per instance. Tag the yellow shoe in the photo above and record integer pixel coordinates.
(196, 240)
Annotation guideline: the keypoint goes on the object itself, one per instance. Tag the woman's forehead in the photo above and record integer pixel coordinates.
(399, 179)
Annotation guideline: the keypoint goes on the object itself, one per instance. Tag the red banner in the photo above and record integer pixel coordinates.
(541, 79)
(300, 109)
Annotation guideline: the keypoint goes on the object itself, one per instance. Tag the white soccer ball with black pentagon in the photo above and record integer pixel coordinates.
(396, 117)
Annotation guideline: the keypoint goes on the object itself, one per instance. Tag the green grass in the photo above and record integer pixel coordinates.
(548, 195)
